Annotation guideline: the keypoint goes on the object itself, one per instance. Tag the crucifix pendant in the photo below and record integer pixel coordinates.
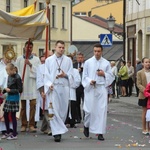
(59, 70)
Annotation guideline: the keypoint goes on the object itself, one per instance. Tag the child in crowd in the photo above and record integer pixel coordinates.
(147, 94)
(11, 106)
(143, 78)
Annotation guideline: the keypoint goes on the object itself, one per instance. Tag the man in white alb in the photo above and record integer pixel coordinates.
(58, 69)
(97, 76)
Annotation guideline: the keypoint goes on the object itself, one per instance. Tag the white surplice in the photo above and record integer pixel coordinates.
(76, 78)
(3, 75)
(29, 84)
(95, 97)
(60, 94)
(39, 84)
(39, 101)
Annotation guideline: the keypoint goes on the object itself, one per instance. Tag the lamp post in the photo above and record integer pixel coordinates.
(111, 22)
(120, 35)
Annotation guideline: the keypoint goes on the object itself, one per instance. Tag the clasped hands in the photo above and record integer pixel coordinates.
(61, 75)
(100, 73)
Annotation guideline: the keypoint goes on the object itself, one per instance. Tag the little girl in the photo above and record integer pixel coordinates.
(11, 106)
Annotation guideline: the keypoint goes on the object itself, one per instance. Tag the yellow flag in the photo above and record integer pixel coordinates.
(25, 11)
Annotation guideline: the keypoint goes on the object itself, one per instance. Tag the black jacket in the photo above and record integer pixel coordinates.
(14, 84)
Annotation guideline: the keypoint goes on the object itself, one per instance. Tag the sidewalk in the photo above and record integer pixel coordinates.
(128, 100)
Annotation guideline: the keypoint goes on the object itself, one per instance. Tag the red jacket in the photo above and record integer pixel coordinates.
(147, 94)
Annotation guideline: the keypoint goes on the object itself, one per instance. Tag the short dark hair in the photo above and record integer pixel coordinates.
(60, 41)
(41, 56)
(98, 45)
(30, 43)
(79, 53)
(124, 62)
(144, 59)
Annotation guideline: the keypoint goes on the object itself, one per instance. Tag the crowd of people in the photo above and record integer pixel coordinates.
(57, 88)
(127, 77)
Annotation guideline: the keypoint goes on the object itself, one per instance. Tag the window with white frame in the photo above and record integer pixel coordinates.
(7, 5)
(53, 16)
(41, 6)
(25, 3)
(63, 17)
(41, 51)
(80, 13)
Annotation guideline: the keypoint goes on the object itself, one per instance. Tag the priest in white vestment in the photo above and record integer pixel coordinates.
(97, 76)
(58, 69)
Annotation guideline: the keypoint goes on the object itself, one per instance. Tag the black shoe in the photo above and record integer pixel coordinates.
(100, 137)
(78, 121)
(73, 126)
(86, 131)
(57, 138)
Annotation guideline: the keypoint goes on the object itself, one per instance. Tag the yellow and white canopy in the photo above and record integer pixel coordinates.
(23, 23)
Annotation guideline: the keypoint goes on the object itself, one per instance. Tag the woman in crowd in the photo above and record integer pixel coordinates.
(123, 74)
(130, 80)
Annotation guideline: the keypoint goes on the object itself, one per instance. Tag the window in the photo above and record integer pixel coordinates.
(80, 13)
(4, 49)
(25, 3)
(77, 14)
(53, 15)
(41, 6)
(63, 17)
(83, 14)
(7, 5)
(41, 51)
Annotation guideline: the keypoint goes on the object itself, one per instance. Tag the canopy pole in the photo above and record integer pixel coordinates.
(46, 44)
(26, 57)
(47, 29)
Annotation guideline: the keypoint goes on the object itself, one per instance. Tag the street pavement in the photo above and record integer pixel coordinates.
(123, 132)
(133, 100)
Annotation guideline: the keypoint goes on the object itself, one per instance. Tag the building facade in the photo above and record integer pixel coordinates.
(60, 25)
(137, 29)
(86, 33)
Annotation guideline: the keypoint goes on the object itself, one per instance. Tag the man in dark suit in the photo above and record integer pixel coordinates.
(80, 90)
